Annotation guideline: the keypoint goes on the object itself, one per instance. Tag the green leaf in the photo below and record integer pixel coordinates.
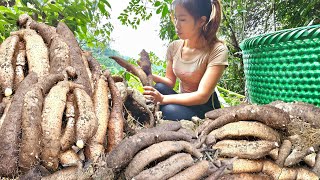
(4, 9)
(54, 7)
(157, 3)
(29, 10)
(107, 3)
(1, 27)
(101, 8)
(159, 10)
(127, 76)
(165, 11)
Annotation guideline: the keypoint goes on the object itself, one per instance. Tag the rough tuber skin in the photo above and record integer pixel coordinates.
(68, 137)
(36, 50)
(270, 116)
(94, 66)
(245, 149)
(167, 168)
(86, 119)
(116, 119)
(95, 147)
(194, 172)
(7, 51)
(133, 69)
(244, 129)
(75, 56)
(122, 154)
(11, 128)
(156, 151)
(145, 65)
(31, 121)
(53, 108)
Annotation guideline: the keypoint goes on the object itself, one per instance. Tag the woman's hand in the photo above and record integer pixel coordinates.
(153, 94)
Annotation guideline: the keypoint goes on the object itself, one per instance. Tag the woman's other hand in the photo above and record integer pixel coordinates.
(153, 94)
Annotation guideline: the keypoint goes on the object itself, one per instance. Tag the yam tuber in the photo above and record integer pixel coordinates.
(53, 108)
(274, 153)
(116, 119)
(246, 176)
(194, 172)
(68, 137)
(145, 65)
(95, 146)
(310, 159)
(75, 56)
(247, 166)
(316, 167)
(244, 129)
(167, 126)
(133, 69)
(70, 158)
(70, 173)
(94, 66)
(296, 156)
(86, 120)
(277, 172)
(7, 50)
(123, 90)
(11, 128)
(20, 65)
(307, 112)
(122, 154)
(136, 104)
(166, 168)
(36, 50)
(214, 114)
(48, 33)
(156, 151)
(245, 149)
(284, 152)
(31, 121)
(86, 65)
(4, 108)
(24, 21)
(271, 116)
(306, 174)
(59, 51)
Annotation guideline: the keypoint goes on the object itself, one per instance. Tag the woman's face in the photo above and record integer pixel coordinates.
(185, 24)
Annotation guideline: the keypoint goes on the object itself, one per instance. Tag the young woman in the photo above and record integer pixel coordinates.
(198, 60)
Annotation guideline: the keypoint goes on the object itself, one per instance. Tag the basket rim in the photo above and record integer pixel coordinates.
(285, 35)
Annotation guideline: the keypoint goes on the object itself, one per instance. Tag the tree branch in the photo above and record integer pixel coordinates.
(233, 34)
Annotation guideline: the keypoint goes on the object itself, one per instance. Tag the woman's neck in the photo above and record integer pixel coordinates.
(195, 43)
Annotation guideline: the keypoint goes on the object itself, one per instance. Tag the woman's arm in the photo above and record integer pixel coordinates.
(169, 79)
(201, 96)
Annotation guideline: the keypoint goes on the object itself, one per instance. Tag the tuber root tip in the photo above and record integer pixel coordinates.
(80, 144)
(311, 149)
(8, 92)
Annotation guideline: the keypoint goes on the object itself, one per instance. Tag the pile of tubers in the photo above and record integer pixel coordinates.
(58, 107)
(63, 117)
(167, 151)
(273, 141)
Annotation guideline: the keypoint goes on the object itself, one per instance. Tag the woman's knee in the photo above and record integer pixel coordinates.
(163, 88)
(176, 112)
(160, 86)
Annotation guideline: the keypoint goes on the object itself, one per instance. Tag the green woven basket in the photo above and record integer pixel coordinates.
(284, 65)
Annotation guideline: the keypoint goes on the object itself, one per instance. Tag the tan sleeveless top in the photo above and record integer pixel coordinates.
(189, 72)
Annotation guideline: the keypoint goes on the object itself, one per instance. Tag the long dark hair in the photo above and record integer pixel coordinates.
(208, 8)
